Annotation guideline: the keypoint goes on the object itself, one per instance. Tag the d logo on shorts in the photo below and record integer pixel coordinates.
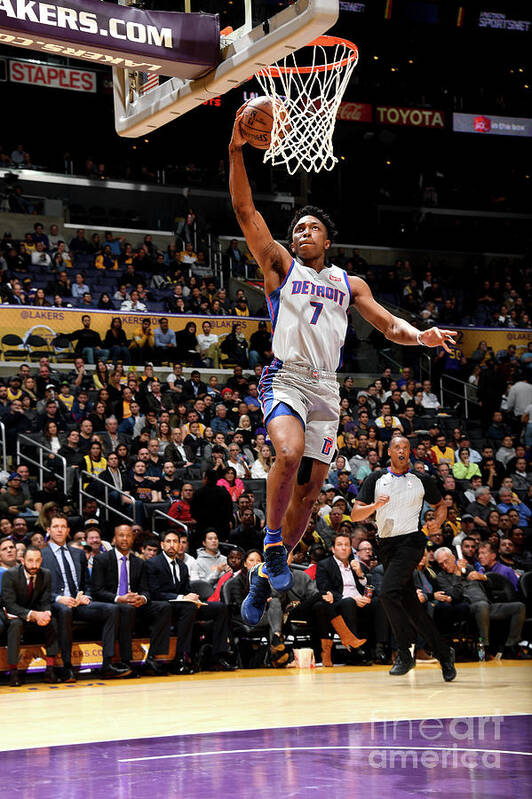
(327, 445)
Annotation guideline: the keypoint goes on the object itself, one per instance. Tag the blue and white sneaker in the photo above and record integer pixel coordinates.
(277, 570)
(254, 605)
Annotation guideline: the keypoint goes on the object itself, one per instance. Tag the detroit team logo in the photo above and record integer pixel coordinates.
(327, 445)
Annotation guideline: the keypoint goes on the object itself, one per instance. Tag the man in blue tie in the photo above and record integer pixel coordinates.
(72, 600)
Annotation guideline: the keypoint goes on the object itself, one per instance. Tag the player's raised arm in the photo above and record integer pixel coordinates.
(393, 327)
(272, 257)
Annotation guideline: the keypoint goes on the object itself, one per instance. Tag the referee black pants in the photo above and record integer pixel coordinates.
(400, 555)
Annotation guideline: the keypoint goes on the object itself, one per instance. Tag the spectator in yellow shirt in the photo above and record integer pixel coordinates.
(66, 398)
(106, 260)
(442, 452)
(143, 343)
(188, 256)
(94, 462)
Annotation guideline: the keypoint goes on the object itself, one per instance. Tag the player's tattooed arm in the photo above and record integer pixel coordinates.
(393, 327)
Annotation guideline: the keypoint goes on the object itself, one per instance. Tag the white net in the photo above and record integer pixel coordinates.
(305, 100)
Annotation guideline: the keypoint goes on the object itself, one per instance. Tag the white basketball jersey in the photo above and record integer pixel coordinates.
(309, 316)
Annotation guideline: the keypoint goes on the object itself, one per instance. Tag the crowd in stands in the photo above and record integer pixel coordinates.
(44, 271)
(172, 469)
(497, 294)
(197, 451)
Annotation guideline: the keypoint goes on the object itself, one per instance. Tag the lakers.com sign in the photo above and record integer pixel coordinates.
(168, 43)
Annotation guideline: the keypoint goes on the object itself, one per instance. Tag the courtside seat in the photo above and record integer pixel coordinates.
(248, 641)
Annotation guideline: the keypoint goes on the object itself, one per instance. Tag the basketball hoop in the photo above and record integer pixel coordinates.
(305, 100)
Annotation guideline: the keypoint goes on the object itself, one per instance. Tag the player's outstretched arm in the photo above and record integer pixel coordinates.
(272, 257)
(393, 327)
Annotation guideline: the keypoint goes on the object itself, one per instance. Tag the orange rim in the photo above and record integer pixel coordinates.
(322, 41)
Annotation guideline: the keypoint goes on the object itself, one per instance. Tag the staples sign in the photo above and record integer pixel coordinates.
(55, 77)
(355, 112)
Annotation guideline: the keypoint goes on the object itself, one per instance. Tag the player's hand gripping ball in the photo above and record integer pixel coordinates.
(257, 122)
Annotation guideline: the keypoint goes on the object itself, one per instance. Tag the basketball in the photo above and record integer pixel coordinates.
(257, 121)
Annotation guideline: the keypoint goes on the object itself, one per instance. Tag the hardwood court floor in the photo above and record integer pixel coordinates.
(95, 710)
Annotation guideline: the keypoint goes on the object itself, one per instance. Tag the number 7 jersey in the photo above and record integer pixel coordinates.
(309, 316)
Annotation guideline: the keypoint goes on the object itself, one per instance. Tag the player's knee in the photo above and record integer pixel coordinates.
(288, 456)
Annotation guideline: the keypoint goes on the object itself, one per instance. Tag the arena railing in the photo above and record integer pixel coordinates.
(162, 515)
(3, 445)
(87, 477)
(43, 453)
(425, 365)
(462, 391)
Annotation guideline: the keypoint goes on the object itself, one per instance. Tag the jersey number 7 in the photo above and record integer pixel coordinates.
(318, 307)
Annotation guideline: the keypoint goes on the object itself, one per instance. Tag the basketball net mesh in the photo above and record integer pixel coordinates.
(305, 102)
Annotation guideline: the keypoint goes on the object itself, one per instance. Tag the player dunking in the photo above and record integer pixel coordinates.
(308, 303)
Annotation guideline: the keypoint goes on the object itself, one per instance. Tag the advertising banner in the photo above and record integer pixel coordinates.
(50, 322)
(497, 338)
(85, 654)
(500, 126)
(496, 20)
(411, 117)
(172, 43)
(355, 112)
(52, 76)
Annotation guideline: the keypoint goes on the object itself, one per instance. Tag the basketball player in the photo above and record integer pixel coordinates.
(308, 303)
(397, 496)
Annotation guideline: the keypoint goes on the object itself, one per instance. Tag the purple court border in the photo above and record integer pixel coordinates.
(488, 757)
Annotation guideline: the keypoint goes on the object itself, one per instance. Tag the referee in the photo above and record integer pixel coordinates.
(397, 495)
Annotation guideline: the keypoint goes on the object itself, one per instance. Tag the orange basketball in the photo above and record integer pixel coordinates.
(257, 121)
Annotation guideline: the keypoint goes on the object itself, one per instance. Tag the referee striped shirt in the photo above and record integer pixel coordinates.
(407, 492)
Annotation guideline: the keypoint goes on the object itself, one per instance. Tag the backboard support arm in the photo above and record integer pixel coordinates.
(244, 52)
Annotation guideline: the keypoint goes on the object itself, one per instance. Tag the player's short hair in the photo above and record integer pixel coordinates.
(312, 210)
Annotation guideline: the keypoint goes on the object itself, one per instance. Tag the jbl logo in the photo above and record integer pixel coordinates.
(327, 445)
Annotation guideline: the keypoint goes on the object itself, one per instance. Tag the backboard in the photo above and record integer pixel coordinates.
(142, 106)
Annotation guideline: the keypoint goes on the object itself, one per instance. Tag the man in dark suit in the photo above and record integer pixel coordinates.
(168, 579)
(120, 576)
(111, 438)
(71, 599)
(194, 388)
(181, 454)
(341, 583)
(26, 597)
(154, 400)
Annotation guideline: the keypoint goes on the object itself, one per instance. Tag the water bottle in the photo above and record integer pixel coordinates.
(481, 651)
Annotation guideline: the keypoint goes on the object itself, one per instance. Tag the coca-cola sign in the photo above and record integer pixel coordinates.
(355, 112)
